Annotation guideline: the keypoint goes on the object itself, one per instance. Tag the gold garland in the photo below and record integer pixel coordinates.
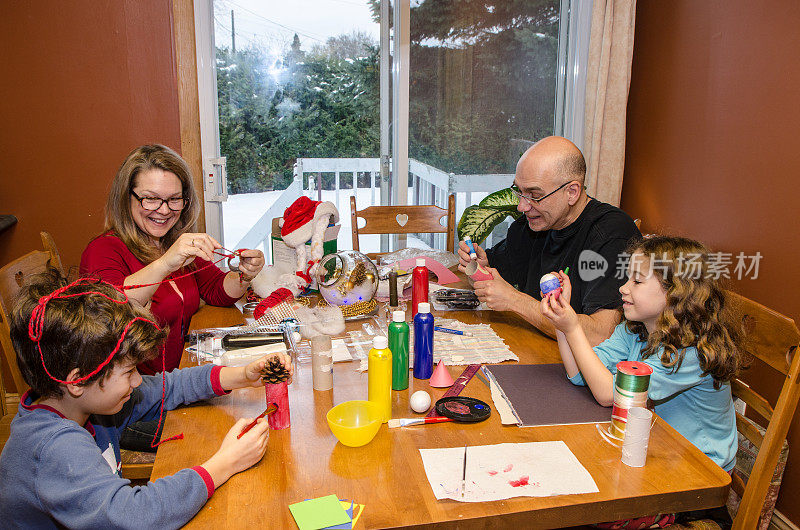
(360, 308)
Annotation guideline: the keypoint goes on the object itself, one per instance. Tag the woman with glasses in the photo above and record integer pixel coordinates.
(150, 236)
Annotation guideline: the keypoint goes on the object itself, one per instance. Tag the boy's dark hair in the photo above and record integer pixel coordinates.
(78, 332)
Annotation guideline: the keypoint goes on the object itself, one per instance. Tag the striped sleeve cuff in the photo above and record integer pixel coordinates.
(206, 478)
(216, 386)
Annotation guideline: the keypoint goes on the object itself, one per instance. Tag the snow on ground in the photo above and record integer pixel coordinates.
(241, 211)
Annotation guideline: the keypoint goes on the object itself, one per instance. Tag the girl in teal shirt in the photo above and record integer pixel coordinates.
(676, 321)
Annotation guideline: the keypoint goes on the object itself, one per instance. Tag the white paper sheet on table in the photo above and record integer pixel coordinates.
(503, 471)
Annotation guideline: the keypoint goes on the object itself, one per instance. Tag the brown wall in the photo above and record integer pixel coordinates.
(712, 145)
(83, 84)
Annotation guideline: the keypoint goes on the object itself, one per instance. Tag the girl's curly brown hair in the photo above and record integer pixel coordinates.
(697, 313)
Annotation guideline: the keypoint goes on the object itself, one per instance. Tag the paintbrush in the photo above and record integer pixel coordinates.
(270, 409)
(404, 422)
(464, 472)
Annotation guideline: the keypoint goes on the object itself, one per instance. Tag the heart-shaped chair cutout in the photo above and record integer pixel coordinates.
(402, 219)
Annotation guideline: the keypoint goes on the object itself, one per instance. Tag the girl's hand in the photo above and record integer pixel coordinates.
(250, 263)
(252, 372)
(566, 286)
(560, 313)
(186, 248)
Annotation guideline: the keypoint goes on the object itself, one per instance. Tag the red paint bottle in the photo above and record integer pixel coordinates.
(419, 285)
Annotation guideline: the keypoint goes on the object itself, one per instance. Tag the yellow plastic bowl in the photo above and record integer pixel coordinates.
(355, 423)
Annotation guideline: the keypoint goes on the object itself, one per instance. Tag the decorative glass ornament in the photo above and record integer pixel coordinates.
(347, 277)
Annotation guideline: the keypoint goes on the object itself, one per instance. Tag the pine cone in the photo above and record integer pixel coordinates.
(359, 274)
(274, 372)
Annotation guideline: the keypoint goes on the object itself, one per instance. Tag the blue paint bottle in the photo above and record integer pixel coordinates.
(423, 342)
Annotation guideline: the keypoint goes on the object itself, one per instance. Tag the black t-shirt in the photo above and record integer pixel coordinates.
(592, 247)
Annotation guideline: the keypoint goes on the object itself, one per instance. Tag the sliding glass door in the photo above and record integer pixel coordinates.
(293, 101)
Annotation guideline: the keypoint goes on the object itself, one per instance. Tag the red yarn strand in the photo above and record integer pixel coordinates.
(171, 278)
(36, 328)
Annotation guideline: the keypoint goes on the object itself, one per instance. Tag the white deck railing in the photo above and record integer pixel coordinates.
(429, 185)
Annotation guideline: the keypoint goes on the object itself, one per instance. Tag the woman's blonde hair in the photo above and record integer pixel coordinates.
(119, 218)
(697, 313)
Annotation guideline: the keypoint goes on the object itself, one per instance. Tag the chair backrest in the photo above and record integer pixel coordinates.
(774, 339)
(404, 220)
(13, 276)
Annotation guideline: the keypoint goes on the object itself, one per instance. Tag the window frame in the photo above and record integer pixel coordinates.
(572, 65)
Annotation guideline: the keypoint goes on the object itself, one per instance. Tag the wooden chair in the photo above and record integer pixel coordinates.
(5, 425)
(9, 410)
(136, 465)
(405, 220)
(12, 277)
(774, 339)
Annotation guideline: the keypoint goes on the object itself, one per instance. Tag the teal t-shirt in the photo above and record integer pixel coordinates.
(684, 398)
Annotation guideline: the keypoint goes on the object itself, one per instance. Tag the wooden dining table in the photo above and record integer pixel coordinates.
(306, 461)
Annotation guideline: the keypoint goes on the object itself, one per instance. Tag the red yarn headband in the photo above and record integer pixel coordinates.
(36, 328)
(36, 324)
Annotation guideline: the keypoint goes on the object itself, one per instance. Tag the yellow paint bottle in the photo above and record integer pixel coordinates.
(380, 376)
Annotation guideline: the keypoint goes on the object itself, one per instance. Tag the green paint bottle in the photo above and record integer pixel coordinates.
(398, 343)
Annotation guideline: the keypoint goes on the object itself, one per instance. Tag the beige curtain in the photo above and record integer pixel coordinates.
(607, 82)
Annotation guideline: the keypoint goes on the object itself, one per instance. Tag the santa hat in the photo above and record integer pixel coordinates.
(297, 224)
(303, 220)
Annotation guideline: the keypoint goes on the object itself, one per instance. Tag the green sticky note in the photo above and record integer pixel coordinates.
(319, 513)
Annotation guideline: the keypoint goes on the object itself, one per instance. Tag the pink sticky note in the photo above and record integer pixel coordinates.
(443, 274)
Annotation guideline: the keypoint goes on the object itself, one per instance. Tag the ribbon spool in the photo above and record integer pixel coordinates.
(630, 390)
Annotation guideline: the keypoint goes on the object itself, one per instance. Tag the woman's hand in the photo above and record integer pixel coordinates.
(250, 263)
(187, 247)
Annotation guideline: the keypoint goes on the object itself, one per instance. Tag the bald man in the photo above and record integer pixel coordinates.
(561, 227)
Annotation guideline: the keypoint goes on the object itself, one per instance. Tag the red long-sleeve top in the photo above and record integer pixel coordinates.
(173, 304)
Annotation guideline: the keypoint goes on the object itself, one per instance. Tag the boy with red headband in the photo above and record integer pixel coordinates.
(78, 346)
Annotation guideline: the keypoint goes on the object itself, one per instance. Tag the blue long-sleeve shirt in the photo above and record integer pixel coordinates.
(55, 473)
(684, 398)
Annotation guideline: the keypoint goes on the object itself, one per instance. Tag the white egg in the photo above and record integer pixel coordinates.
(420, 401)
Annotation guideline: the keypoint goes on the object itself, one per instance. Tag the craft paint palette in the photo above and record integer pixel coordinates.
(465, 409)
